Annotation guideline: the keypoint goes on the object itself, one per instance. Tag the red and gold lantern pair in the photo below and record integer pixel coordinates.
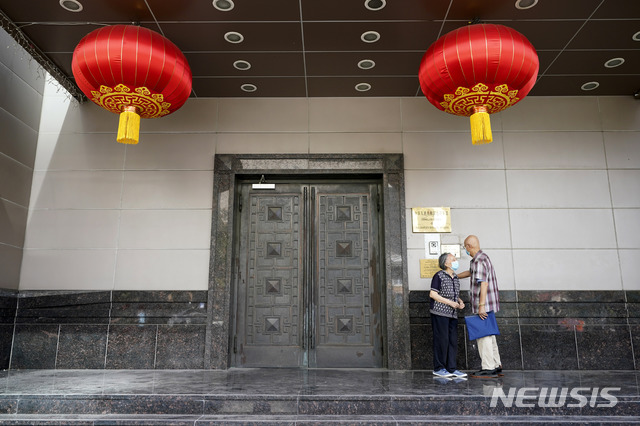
(478, 70)
(131, 71)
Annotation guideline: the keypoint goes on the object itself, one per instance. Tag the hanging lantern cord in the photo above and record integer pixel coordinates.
(129, 126)
(480, 126)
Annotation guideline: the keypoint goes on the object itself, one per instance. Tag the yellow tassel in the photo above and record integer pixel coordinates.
(480, 126)
(129, 126)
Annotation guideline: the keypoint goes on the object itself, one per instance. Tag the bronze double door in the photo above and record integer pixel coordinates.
(308, 288)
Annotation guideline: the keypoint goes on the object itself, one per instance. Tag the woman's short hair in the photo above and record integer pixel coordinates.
(442, 260)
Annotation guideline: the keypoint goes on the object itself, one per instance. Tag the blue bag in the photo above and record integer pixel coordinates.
(478, 327)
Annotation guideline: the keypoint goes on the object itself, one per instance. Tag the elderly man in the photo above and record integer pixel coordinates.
(484, 298)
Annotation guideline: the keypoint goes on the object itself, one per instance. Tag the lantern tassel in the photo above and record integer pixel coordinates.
(129, 126)
(480, 126)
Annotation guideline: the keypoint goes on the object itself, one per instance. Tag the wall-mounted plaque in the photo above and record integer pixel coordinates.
(428, 268)
(431, 219)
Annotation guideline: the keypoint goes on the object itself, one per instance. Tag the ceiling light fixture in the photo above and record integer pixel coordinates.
(614, 62)
(249, 87)
(223, 5)
(234, 37)
(590, 86)
(636, 36)
(525, 4)
(370, 36)
(241, 65)
(71, 5)
(363, 87)
(366, 64)
(375, 4)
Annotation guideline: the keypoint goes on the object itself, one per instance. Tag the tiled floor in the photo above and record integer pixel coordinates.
(289, 396)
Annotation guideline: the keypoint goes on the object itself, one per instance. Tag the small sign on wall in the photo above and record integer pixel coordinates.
(428, 268)
(434, 248)
(431, 246)
(454, 249)
(431, 219)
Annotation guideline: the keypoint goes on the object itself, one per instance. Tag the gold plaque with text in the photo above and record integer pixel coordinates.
(431, 219)
(428, 268)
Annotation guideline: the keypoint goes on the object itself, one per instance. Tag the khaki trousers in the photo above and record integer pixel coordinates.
(488, 348)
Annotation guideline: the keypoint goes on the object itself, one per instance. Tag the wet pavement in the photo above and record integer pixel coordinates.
(315, 396)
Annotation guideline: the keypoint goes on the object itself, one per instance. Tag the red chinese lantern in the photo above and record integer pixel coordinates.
(478, 70)
(132, 71)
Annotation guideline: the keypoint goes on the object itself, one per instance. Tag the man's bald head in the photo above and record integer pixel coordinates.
(472, 244)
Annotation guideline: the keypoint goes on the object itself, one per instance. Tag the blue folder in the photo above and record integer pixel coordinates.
(477, 327)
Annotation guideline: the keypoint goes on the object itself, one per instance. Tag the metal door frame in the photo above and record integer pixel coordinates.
(228, 168)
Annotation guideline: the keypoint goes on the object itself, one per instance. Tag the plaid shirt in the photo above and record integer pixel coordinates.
(482, 270)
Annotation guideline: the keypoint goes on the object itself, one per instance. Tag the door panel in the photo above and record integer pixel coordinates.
(307, 287)
(270, 290)
(344, 280)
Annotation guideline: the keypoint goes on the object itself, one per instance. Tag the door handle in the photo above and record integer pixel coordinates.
(312, 265)
(305, 268)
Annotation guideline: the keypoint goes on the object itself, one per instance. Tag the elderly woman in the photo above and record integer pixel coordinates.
(445, 301)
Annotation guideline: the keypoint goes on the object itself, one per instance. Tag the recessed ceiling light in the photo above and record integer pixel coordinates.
(525, 4)
(590, 85)
(366, 64)
(636, 36)
(375, 4)
(615, 62)
(71, 5)
(370, 36)
(363, 87)
(223, 5)
(241, 65)
(234, 37)
(249, 87)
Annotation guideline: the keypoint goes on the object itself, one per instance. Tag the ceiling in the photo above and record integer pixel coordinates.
(311, 48)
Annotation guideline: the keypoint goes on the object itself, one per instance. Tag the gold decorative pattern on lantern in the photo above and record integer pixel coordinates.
(147, 105)
(464, 99)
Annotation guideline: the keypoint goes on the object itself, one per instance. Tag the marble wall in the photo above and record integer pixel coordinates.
(8, 305)
(110, 329)
(546, 330)
(540, 330)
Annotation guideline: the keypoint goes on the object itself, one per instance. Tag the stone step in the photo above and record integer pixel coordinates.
(284, 420)
(269, 396)
(271, 406)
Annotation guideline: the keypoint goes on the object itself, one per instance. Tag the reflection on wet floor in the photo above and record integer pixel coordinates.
(295, 395)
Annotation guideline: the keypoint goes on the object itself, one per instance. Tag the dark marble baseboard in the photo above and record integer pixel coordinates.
(561, 330)
(546, 330)
(8, 308)
(8, 305)
(97, 330)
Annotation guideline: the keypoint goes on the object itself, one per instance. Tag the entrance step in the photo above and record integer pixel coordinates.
(271, 396)
(305, 420)
(277, 409)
